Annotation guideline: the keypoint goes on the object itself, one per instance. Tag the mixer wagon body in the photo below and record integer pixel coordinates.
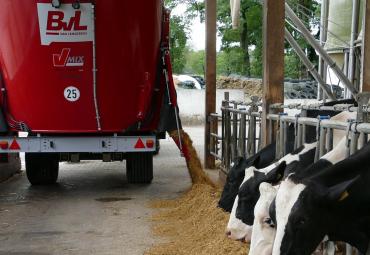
(84, 76)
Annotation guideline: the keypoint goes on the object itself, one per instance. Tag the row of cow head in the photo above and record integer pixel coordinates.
(289, 206)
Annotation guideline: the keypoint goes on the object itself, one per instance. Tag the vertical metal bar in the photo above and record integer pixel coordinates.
(270, 130)
(322, 150)
(252, 139)
(227, 139)
(285, 128)
(304, 128)
(362, 140)
(329, 139)
(235, 134)
(277, 148)
(354, 35)
(348, 249)
(242, 134)
(354, 142)
(296, 132)
(281, 139)
(299, 135)
(260, 134)
(224, 104)
(318, 132)
(323, 38)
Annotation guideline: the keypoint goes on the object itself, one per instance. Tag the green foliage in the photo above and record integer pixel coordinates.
(241, 49)
(195, 61)
(230, 61)
(178, 40)
(292, 65)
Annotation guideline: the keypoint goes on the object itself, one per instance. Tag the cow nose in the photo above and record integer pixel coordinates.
(228, 233)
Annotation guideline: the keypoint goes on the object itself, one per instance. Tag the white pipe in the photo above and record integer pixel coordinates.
(354, 36)
(95, 71)
(235, 13)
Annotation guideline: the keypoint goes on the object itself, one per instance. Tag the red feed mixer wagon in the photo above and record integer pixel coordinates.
(87, 79)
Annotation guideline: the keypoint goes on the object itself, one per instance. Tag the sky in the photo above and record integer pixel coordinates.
(197, 31)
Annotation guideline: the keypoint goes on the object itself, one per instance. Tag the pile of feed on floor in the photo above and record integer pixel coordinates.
(192, 224)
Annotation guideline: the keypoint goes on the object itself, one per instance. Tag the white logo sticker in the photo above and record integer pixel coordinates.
(65, 24)
(72, 94)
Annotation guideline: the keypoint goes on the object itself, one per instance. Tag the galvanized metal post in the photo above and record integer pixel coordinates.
(354, 35)
(242, 135)
(329, 139)
(323, 38)
(234, 146)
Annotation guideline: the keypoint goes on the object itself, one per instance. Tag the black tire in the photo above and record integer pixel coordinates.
(139, 168)
(42, 168)
(157, 147)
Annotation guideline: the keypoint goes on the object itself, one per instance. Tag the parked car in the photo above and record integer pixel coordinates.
(191, 82)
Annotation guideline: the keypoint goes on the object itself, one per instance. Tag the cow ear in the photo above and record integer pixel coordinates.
(277, 174)
(339, 192)
(255, 161)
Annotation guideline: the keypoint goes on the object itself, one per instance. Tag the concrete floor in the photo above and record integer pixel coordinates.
(93, 210)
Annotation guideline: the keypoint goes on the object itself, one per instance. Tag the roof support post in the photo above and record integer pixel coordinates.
(210, 99)
(273, 61)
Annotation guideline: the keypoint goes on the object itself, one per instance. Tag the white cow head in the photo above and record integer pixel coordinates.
(263, 233)
(236, 229)
(303, 214)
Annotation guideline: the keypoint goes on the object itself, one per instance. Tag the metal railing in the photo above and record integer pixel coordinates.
(241, 131)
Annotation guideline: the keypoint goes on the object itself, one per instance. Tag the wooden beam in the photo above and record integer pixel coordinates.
(366, 49)
(273, 59)
(211, 31)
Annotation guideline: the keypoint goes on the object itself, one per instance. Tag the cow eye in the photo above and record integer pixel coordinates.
(269, 222)
(300, 222)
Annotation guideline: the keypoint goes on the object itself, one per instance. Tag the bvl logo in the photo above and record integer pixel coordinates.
(65, 24)
(57, 23)
(64, 59)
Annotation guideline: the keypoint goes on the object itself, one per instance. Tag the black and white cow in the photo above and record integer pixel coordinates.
(236, 228)
(236, 174)
(249, 192)
(334, 202)
(240, 230)
(261, 160)
(264, 230)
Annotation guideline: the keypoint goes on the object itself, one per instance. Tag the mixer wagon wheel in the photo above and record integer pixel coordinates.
(42, 168)
(139, 167)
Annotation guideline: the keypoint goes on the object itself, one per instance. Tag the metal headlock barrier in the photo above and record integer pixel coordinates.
(241, 131)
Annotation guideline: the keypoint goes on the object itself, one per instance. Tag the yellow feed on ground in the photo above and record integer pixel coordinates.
(193, 224)
(194, 165)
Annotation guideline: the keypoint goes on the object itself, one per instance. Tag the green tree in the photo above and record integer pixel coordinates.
(195, 61)
(178, 40)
